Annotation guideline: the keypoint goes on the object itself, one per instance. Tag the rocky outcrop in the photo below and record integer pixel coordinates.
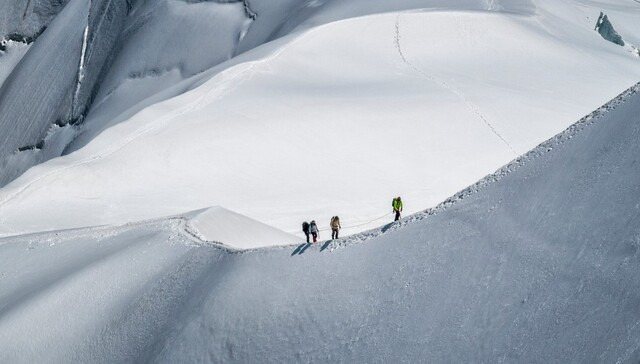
(605, 28)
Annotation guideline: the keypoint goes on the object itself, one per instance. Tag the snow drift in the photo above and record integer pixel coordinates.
(220, 225)
(538, 262)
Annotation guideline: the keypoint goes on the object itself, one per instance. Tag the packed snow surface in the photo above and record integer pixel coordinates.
(218, 224)
(336, 116)
(538, 262)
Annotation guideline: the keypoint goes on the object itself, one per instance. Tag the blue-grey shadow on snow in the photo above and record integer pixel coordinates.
(326, 245)
(386, 227)
(301, 248)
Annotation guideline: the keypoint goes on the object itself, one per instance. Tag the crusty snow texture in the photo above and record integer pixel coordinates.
(539, 262)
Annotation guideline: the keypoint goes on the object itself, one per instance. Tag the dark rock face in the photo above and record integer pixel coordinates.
(605, 28)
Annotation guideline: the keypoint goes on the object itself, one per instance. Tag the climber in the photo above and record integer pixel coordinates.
(335, 227)
(313, 230)
(397, 207)
(305, 230)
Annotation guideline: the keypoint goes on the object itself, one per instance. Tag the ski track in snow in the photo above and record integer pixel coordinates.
(545, 147)
(445, 85)
(179, 225)
(224, 85)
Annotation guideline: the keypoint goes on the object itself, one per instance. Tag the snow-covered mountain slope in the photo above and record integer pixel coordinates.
(220, 225)
(96, 63)
(538, 262)
(90, 50)
(337, 119)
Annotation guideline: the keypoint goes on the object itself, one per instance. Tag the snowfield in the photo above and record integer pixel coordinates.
(337, 116)
(222, 226)
(157, 159)
(538, 262)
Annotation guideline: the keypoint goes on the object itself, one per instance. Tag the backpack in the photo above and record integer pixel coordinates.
(305, 226)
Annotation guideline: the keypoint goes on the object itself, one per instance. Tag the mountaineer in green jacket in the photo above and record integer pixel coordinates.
(397, 207)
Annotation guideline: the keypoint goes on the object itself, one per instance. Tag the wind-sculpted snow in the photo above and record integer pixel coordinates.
(55, 81)
(418, 104)
(60, 78)
(218, 224)
(93, 87)
(161, 46)
(95, 46)
(539, 262)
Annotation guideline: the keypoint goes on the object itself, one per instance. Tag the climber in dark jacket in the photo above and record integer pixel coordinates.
(305, 230)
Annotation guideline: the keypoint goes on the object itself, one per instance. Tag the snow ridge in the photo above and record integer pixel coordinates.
(543, 148)
(330, 245)
(222, 81)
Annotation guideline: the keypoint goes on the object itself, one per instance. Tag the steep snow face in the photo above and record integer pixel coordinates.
(130, 54)
(60, 78)
(28, 18)
(537, 262)
(55, 81)
(163, 44)
(11, 52)
(39, 89)
(316, 124)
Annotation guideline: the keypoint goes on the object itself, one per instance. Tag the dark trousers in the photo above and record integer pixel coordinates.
(306, 233)
(334, 233)
(315, 236)
(397, 215)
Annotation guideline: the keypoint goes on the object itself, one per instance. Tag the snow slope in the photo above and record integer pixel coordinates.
(218, 224)
(340, 118)
(118, 57)
(87, 52)
(537, 263)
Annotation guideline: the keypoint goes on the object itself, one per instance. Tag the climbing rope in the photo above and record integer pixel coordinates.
(361, 224)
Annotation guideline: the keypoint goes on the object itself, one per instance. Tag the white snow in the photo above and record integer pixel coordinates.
(336, 120)
(314, 109)
(218, 224)
(537, 262)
